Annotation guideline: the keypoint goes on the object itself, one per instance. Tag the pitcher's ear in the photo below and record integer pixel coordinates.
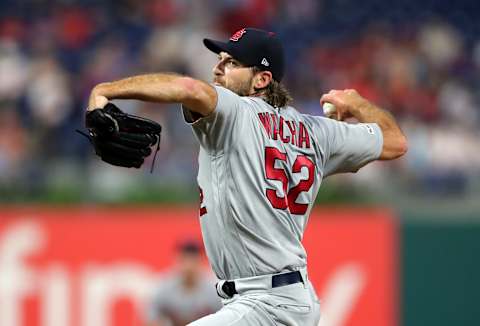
(262, 79)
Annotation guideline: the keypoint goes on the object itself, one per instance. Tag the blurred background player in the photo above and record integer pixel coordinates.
(186, 293)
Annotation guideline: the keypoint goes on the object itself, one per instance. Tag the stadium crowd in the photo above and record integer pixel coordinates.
(422, 64)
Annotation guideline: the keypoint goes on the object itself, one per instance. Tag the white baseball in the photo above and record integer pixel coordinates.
(329, 109)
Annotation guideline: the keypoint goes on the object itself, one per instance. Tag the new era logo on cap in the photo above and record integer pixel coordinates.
(265, 62)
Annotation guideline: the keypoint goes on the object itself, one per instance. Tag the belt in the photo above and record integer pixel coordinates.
(228, 287)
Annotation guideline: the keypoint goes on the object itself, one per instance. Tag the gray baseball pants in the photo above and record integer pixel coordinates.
(259, 304)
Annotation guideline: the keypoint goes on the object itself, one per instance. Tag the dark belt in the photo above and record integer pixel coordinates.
(277, 280)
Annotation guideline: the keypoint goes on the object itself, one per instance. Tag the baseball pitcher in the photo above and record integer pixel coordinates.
(261, 164)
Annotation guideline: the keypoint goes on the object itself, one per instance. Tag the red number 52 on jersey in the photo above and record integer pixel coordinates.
(288, 201)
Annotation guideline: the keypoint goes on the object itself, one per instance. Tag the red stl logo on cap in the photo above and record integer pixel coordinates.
(237, 35)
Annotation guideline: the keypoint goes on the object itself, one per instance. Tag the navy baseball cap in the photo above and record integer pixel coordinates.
(253, 47)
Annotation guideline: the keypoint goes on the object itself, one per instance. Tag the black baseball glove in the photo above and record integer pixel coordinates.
(119, 138)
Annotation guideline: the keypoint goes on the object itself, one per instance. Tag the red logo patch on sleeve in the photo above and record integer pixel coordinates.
(238, 35)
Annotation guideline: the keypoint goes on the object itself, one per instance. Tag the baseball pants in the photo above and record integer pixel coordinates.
(259, 304)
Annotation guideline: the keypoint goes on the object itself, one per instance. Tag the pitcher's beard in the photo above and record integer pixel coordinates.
(241, 88)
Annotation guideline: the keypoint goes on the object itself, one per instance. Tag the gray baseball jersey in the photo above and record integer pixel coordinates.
(260, 169)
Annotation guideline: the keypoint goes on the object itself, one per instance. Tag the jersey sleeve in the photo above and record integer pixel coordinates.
(347, 147)
(216, 131)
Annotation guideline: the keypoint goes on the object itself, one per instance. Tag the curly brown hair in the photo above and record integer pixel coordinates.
(276, 94)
